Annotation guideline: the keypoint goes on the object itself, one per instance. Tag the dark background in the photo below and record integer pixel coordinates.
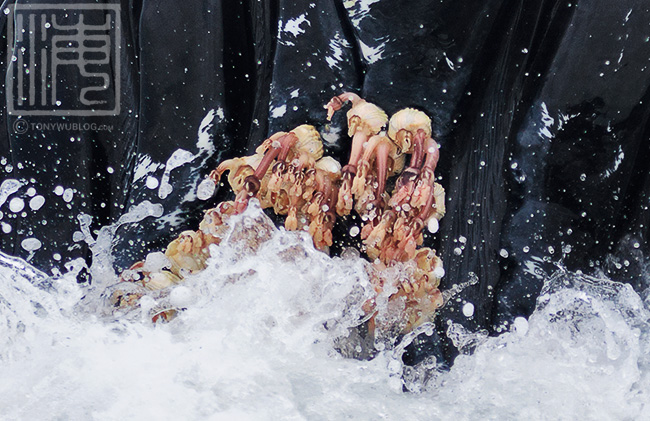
(541, 110)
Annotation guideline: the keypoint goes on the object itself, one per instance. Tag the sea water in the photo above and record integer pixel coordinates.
(259, 335)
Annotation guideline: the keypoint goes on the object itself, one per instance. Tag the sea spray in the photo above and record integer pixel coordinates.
(102, 270)
(257, 341)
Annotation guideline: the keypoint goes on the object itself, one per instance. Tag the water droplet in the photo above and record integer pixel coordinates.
(520, 325)
(583, 177)
(354, 231)
(58, 190)
(165, 189)
(67, 195)
(16, 204)
(503, 253)
(468, 310)
(458, 251)
(31, 244)
(205, 189)
(526, 249)
(433, 225)
(152, 182)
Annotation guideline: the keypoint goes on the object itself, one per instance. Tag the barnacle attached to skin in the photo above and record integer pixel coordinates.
(189, 252)
(409, 129)
(292, 173)
(364, 121)
(289, 174)
(417, 201)
(239, 169)
(320, 207)
(412, 290)
(381, 159)
(214, 220)
(123, 296)
(185, 255)
(151, 279)
(393, 228)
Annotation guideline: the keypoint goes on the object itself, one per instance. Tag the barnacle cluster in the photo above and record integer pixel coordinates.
(289, 174)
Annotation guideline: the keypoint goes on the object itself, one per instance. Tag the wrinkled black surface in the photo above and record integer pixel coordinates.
(541, 109)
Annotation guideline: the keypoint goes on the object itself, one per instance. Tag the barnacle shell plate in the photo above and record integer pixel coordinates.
(309, 141)
(373, 117)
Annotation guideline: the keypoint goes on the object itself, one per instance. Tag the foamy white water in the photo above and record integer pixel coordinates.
(257, 342)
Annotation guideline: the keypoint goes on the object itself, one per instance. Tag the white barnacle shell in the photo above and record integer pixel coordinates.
(122, 295)
(160, 280)
(428, 261)
(309, 141)
(373, 118)
(328, 164)
(439, 200)
(238, 169)
(410, 120)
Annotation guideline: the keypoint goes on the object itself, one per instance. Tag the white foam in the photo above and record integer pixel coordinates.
(179, 158)
(277, 112)
(294, 26)
(7, 188)
(372, 54)
(144, 167)
(257, 342)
